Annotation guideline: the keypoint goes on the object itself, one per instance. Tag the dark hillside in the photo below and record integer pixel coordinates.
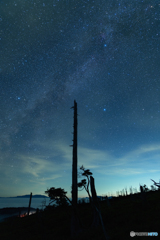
(123, 216)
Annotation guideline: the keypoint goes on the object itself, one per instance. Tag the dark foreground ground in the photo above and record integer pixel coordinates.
(125, 214)
(14, 210)
(6, 213)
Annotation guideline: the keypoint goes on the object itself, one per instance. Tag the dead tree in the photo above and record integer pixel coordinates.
(97, 212)
(74, 161)
(29, 203)
(75, 224)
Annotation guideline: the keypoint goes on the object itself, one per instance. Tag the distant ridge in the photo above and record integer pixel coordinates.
(43, 196)
(28, 196)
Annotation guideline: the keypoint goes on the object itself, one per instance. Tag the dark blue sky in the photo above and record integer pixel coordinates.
(103, 54)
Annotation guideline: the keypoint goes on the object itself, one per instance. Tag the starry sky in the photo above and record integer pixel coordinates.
(103, 54)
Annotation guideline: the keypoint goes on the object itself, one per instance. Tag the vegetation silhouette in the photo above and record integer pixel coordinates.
(84, 184)
(123, 215)
(156, 184)
(58, 195)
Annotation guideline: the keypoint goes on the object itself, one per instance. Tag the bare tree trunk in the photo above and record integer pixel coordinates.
(97, 214)
(74, 164)
(95, 203)
(29, 203)
(75, 225)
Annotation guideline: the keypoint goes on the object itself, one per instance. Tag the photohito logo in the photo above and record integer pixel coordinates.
(152, 234)
(133, 234)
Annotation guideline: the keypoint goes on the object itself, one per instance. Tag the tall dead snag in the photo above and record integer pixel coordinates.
(75, 225)
(95, 203)
(97, 212)
(29, 203)
(74, 163)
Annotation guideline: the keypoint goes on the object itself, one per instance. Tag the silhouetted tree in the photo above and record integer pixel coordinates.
(144, 188)
(84, 184)
(58, 195)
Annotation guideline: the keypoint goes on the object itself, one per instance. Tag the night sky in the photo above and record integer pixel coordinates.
(103, 54)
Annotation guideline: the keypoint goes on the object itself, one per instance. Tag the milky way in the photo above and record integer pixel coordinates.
(104, 54)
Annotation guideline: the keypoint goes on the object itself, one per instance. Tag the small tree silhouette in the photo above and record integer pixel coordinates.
(58, 195)
(84, 184)
(144, 188)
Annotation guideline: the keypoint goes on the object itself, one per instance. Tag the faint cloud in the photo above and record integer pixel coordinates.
(38, 166)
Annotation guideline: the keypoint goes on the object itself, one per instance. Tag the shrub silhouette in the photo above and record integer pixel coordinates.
(58, 195)
(84, 184)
